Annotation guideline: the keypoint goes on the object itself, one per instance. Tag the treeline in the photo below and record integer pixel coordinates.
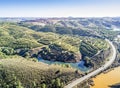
(59, 29)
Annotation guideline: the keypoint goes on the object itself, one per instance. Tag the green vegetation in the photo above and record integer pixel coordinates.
(109, 34)
(90, 48)
(54, 43)
(58, 29)
(8, 79)
(87, 49)
(16, 37)
(23, 41)
(95, 27)
(28, 74)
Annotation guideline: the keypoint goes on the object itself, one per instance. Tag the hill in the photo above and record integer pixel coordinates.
(21, 46)
(82, 23)
(106, 27)
(28, 74)
(25, 42)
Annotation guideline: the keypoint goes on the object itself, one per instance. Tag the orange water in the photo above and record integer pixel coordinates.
(104, 80)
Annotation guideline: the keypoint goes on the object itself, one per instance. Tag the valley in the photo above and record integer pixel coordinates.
(52, 52)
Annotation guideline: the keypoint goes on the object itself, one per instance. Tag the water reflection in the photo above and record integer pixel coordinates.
(79, 65)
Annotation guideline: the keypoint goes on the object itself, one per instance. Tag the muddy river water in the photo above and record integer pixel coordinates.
(110, 78)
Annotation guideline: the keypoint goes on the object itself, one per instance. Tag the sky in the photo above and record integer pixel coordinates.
(59, 8)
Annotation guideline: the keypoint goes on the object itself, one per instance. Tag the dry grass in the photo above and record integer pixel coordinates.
(29, 72)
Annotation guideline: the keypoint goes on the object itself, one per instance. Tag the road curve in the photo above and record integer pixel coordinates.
(106, 65)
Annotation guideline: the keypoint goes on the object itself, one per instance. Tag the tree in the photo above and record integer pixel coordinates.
(57, 82)
(8, 79)
(34, 84)
(43, 85)
(8, 51)
(26, 54)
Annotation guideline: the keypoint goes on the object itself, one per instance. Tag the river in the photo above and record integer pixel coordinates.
(104, 80)
(79, 65)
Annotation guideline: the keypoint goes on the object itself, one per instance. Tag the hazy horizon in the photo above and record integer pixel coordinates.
(59, 8)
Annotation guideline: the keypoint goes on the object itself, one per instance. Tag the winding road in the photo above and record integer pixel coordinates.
(106, 65)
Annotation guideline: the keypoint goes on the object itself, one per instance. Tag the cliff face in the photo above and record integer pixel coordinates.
(59, 54)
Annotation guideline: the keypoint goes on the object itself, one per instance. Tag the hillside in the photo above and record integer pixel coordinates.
(25, 42)
(82, 23)
(94, 27)
(28, 74)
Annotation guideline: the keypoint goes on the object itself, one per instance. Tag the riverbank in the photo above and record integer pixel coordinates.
(97, 71)
(115, 65)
